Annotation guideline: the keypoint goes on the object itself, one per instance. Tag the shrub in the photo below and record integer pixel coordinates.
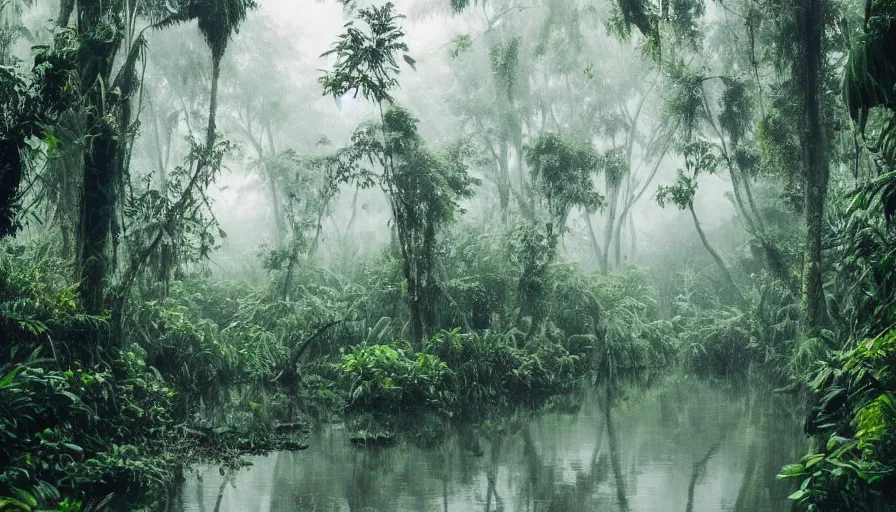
(458, 374)
(38, 306)
(90, 431)
(393, 377)
(188, 352)
(632, 334)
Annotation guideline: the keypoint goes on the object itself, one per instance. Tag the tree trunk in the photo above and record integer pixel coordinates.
(351, 220)
(98, 199)
(280, 229)
(65, 12)
(598, 254)
(617, 240)
(610, 228)
(160, 157)
(411, 274)
(416, 313)
(98, 195)
(276, 205)
(521, 171)
(815, 163)
(276, 210)
(213, 104)
(503, 180)
(312, 249)
(726, 275)
(290, 268)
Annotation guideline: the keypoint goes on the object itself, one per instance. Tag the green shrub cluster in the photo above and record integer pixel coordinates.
(388, 378)
(77, 424)
(84, 426)
(458, 374)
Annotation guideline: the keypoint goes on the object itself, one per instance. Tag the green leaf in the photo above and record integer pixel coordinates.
(5, 381)
(73, 447)
(25, 496)
(798, 495)
(814, 459)
(792, 470)
(73, 397)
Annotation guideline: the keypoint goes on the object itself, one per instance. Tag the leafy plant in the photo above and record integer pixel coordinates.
(391, 377)
(854, 420)
(366, 56)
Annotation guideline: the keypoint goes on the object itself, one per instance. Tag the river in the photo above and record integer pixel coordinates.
(678, 444)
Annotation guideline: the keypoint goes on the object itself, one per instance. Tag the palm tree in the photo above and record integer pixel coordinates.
(218, 21)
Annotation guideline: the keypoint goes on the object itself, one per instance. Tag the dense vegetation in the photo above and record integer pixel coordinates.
(200, 256)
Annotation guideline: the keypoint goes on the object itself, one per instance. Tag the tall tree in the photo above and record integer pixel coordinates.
(101, 30)
(258, 109)
(700, 158)
(422, 187)
(809, 70)
(218, 21)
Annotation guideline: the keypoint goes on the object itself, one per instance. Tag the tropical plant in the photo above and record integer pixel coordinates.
(851, 467)
(423, 189)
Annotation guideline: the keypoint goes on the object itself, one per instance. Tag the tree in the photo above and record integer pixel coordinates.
(540, 67)
(699, 157)
(11, 28)
(176, 95)
(810, 70)
(726, 122)
(257, 74)
(486, 107)
(218, 21)
(562, 175)
(868, 86)
(307, 185)
(421, 187)
(23, 115)
(101, 28)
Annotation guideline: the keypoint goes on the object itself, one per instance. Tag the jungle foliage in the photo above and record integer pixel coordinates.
(549, 217)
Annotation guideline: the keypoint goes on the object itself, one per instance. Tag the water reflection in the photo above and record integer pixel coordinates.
(680, 445)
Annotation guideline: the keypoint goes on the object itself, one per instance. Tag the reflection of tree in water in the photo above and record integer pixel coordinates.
(685, 445)
(701, 424)
(543, 492)
(490, 476)
(773, 446)
(612, 438)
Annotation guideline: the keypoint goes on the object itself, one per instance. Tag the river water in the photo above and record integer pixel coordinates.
(680, 444)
